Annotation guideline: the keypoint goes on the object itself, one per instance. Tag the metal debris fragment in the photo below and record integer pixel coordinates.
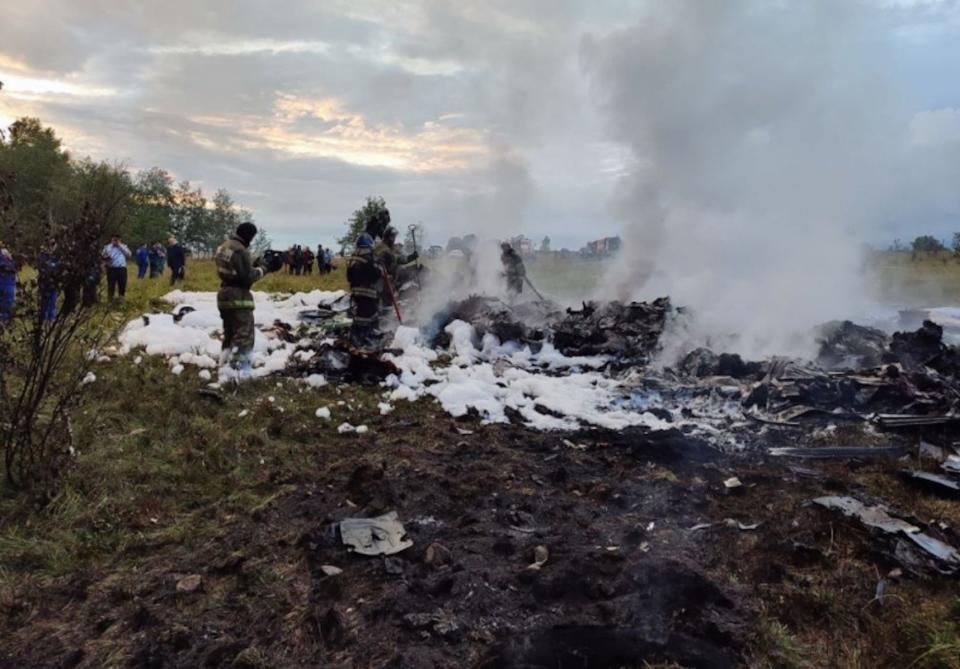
(839, 452)
(540, 557)
(383, 535)
(915, 550)
(938, 483)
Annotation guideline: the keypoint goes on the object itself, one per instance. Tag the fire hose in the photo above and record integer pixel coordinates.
(534, 288)
(413, 235)
(393, 296)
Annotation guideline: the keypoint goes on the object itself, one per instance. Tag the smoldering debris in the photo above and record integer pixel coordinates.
(524, 322)
(628, 332)
(514, 358)
(845, 345)
(339, 359)
(911, 381)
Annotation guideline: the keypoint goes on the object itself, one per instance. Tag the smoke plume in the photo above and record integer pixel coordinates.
(494, 212)
(763, 136)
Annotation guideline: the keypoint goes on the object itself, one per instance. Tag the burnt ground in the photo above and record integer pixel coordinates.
(629, 581)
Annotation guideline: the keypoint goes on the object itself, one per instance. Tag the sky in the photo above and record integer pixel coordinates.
(509, 116)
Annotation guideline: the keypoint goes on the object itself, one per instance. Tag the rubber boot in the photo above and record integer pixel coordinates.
(243, 363)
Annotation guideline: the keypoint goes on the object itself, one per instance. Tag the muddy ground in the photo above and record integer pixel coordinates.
(630, 579)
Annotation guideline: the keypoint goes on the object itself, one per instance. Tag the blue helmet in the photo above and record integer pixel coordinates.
(364, 241)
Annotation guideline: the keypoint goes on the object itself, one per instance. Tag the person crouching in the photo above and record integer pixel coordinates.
(238, 272)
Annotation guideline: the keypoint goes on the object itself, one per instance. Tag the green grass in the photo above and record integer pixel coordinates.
(202, 276)
(160, 466)
(928, 280)
(570, 279)
(157, 465)
(935, 632)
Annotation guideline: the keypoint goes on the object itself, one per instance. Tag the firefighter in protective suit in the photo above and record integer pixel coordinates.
(513, 270)
(364, 274)
(237, 272)
(392, 263)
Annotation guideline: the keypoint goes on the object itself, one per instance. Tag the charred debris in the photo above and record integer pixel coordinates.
(900, 382)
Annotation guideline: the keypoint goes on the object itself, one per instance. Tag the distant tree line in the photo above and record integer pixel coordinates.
(44, 188)
(928, 246)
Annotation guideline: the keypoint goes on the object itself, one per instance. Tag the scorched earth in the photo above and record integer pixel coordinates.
(538, 490)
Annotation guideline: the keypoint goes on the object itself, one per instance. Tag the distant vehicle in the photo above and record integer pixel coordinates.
(434, 251)
(455, 253)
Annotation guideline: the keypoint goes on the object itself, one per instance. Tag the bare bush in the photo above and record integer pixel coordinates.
(49, 345)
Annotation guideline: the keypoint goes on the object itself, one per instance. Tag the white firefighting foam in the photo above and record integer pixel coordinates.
(546, 390)
(195, 339)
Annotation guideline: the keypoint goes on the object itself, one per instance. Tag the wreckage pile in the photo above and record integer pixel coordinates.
(562, 369)
(860, 373)
(628, 334)
(501, 366)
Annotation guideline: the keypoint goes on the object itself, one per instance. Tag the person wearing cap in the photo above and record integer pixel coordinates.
(237, 272)
(364, 276)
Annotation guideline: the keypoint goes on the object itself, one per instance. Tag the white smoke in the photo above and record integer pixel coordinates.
(763, 135)
(493, 213)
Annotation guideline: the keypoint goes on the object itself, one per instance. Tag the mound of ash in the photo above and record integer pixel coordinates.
(702, 362)
(846, 345)
(524, 322)
(629, 333)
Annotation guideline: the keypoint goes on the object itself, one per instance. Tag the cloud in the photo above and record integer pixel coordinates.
(460, 112)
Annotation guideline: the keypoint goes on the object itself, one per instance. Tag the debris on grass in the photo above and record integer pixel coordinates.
(383, 535)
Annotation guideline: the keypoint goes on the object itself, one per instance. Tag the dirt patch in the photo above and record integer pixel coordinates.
(650, 556)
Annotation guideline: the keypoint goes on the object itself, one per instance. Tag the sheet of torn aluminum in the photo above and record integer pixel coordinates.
(839, 452)
(383, 535)
(938, 483)
(871, 516)
(913, 420)
(934, 554)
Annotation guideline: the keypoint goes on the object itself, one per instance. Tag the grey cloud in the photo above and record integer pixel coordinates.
(675, 88)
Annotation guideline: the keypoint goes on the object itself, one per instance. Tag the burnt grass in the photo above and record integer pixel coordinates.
(630, 579)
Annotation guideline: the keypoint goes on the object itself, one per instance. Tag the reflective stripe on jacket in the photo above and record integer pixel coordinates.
(237, 274)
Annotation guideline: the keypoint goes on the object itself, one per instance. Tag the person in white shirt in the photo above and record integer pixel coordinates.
(116, 254)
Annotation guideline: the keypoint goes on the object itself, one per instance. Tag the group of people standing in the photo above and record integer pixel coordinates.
(299, 260)
(79, 286)
(154, 257)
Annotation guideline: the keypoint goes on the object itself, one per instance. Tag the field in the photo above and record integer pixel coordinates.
(929, 280)
(242, 491)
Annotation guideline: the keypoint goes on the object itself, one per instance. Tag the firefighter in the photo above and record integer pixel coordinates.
(364, 275)
(513, 269)
(392, 261)
(238, 272)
